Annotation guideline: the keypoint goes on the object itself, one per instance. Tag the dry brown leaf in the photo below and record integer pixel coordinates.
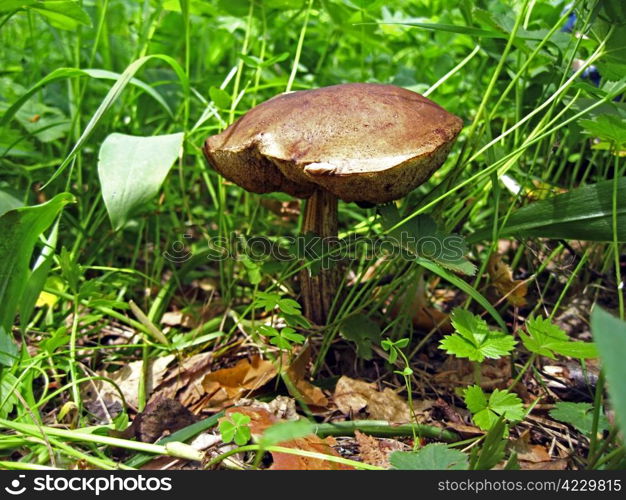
(225, 386)
(528, 452)
(184, 382)
(466, 431)
(283, 407)
(423, 314)
(534, 453)
(194, 316)
(454, 372)
(127, 378)
(311, 394)
(158, 417)
(375, 451)
(177, 318)
(427, 318)
(352, 396)
(261, 419)
(502, 279)
(287, 461)
(558, 464)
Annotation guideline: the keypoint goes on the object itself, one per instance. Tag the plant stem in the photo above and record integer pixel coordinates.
(524, 369)
(292, 451)
(318, 292)
(597, 406)
(382, 428)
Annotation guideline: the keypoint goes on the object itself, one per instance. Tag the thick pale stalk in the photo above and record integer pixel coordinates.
(318, 292)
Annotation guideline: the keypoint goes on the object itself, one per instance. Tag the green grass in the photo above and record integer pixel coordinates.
(534, 128)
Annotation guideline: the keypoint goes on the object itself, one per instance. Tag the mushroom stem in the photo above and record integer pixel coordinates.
(318, 291)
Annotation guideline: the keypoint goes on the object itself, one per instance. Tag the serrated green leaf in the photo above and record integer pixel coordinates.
(580, 350)
(434, 456)
(474, 340)
(486, 412)
(291, 335)
(507, 404)
(579, 415)
(609, 128)
(289, 306)
(547, 339)
(468, 325)
(475, 399)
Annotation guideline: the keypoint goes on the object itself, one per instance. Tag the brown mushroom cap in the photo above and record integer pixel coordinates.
(361, 142)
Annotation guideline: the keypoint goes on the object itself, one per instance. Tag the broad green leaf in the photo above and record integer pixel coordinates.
(362, 331)
(474, 340)
(196, 7)
(20, 229)
(286, 431)
(62, 73)
(220, 97)
(8, 399)
(579, 415)
(9, 5)
(64, 14)
(112, 95)
(609, 128)
(8, 202)
(132, 169)
(547, 339)
(611, 18)
(37, 278)
(609, 334)
(102, 74)
(585, 213)
(450, 28)
(434, 456)
(8, 348)
(486, 412)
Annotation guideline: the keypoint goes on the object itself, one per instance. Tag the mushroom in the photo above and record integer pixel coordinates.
(359, 142)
